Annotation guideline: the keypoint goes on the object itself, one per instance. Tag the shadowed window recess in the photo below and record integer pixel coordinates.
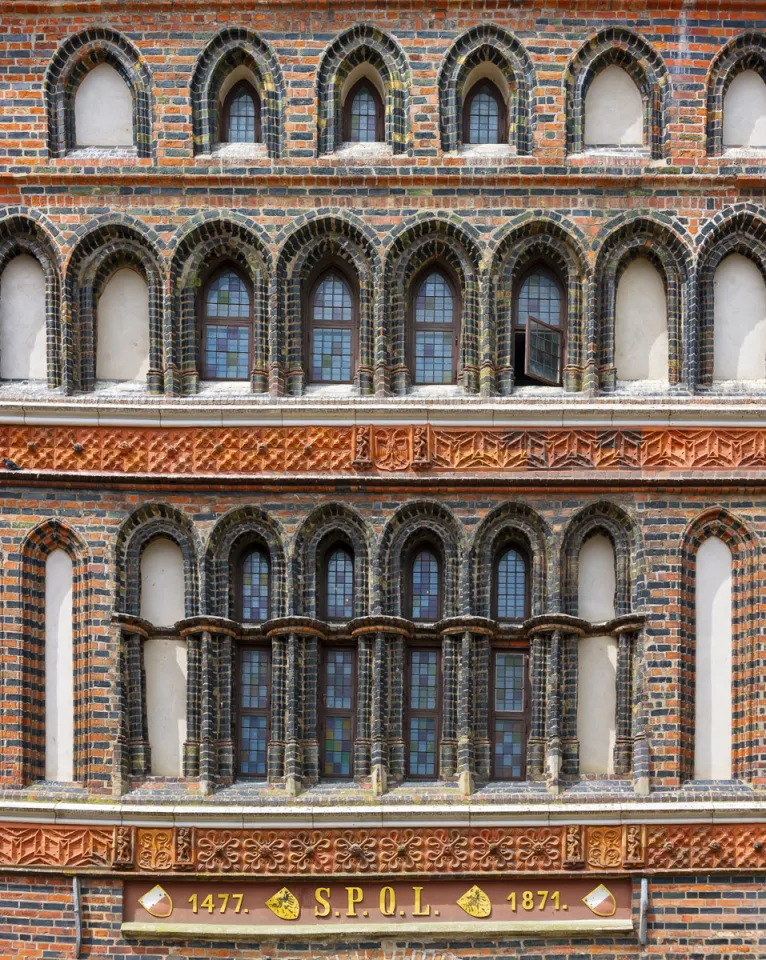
(254, 685)
(363, 116)
(339, 698)
(484, 115)
(434, 331)
(227, 326)
(539, 328)
(241, 115)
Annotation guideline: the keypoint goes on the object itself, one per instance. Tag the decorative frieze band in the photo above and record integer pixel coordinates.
(383, 851)
(251, 451)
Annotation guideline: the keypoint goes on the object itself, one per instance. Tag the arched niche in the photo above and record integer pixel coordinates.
(641, 323)
(59, 668)
(103, 109)
(23, 334)
(739, 322)
(614, 110)
(122, 323)
(162, 582)
(744, 112)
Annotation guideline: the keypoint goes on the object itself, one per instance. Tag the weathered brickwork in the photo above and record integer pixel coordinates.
(102, 471)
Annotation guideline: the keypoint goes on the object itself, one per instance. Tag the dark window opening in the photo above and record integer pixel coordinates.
(254, 706)
(511, 585)
(484, 115)
(241, 115)
(539, 329)
(363, 115)
(254, 599)
(339, 713)
(509, 710)
(434, 330)
(332, 329)
(226, 327)
(423, 713)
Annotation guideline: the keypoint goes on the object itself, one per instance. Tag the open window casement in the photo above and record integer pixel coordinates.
(543, 348)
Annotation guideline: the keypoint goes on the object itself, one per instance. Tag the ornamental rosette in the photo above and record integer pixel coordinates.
(309, 851)
(355, 853)
(218, 852)
(492, 851)
(447, 851)
(539, 850)
(264, 853)
(401, 851)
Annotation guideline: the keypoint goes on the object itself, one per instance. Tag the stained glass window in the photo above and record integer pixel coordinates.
(255, 586)
(254, 705)
(484, 116)
(338, 708)
(340, 585)
(539, 297)
(226, 346)
(423, 712)
(511, 586)
(242, 114)
(434, 331)
(509, 718)
(364, 111)
(332, 318)
(425, 586)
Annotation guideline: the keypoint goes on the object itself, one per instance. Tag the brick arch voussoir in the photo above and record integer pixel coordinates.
(487, 42)
(744, 52)
(74, 58)
(227, 50)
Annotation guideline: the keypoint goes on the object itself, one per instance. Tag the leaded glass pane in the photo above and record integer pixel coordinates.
(434, 300)
(253, 746)
(509, 682)
(331, 359)
(508, 749)
(424, 679)
(255, 679)
(340, 586)
(511, 586)
(433, 357)
(227, 296)
(363, 116)
(543, 352)
(539, 297)
(422, 747)
(255, 587)
(425, 586)
(242, 117)
(484, 119)
(337, 747)
(340, 680)
(227, 352)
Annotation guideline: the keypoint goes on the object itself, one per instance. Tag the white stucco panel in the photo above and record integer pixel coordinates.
(59, 668)
(165, 666)
(614, 110)
(23, 350)
(739, 326)
(641, 324)
(122, 352)
(162, 583)
(744, 111)
(103, 109)
(712, 701)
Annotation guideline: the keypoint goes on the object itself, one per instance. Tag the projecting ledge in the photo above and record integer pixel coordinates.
(553, 928)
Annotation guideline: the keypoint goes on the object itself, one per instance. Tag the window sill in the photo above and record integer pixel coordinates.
(237, 151)
(367, 152)
(616, 150)
(479, 152)
(744, 153)
(102, 153)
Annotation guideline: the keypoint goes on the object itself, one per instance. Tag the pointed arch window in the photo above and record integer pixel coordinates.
(227, 326)
(254, 589)
(511, 585)
(241, 115)
(332, 329)
(423, 593)
(539, 327)
(363, 114)
(484, 115)
(434, 329)
(338, 583)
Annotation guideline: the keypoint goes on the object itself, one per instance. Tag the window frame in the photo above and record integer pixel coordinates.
(422, 543)
(499, 554)
(519, 329)
(309, 290)
(380, 112)
(324, 554)
(455, 327)
(324, 712)
(502, 112)
(225, 112)
(410, 711)
(494, 714)
(237, 568)
(241, 711)
(215, 271)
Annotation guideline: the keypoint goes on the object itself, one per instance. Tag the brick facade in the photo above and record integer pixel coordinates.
(101, 471)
